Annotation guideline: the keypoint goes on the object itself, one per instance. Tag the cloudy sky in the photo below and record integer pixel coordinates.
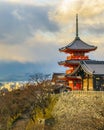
(32, 31)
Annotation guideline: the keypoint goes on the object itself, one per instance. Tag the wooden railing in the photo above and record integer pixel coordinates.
(77, 57)
(69, 71)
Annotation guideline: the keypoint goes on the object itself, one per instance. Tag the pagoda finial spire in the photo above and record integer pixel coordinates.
(76, 25)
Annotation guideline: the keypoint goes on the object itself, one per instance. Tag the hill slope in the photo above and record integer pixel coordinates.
(80, 110)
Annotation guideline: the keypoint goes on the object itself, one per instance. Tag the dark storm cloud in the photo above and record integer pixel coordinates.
(13, 71)
(19, 22)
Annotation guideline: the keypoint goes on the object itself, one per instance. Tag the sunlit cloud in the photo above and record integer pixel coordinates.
(33, 30)
(67, 9)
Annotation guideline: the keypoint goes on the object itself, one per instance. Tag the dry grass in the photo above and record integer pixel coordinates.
(80, 111)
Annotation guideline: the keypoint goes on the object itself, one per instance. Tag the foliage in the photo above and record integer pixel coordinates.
(26, 104)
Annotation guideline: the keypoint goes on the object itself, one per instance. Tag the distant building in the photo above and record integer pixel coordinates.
(82, 73)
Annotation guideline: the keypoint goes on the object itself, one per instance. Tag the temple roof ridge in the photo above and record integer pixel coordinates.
(81, 42)
(92, 62)
(90, 67)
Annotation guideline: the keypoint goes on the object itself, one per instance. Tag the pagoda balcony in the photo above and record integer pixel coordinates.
(77, 58)
(69, 71)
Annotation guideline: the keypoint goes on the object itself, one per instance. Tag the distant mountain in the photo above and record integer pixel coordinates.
(16, 71)
(14, 77)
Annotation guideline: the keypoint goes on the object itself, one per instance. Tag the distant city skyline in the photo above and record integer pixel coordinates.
(31, 32)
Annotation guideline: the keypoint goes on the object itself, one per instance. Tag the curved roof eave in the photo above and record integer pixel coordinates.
(69, 62)
(74, 71)
(86, 68)
(78, 45)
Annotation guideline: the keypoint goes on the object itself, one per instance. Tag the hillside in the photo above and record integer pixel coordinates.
(35, 109)
(28, 108)
(80, 111)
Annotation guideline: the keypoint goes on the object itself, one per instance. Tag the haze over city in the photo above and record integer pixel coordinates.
(31, 32)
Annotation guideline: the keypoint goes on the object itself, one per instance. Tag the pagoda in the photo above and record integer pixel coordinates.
(76, 51)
